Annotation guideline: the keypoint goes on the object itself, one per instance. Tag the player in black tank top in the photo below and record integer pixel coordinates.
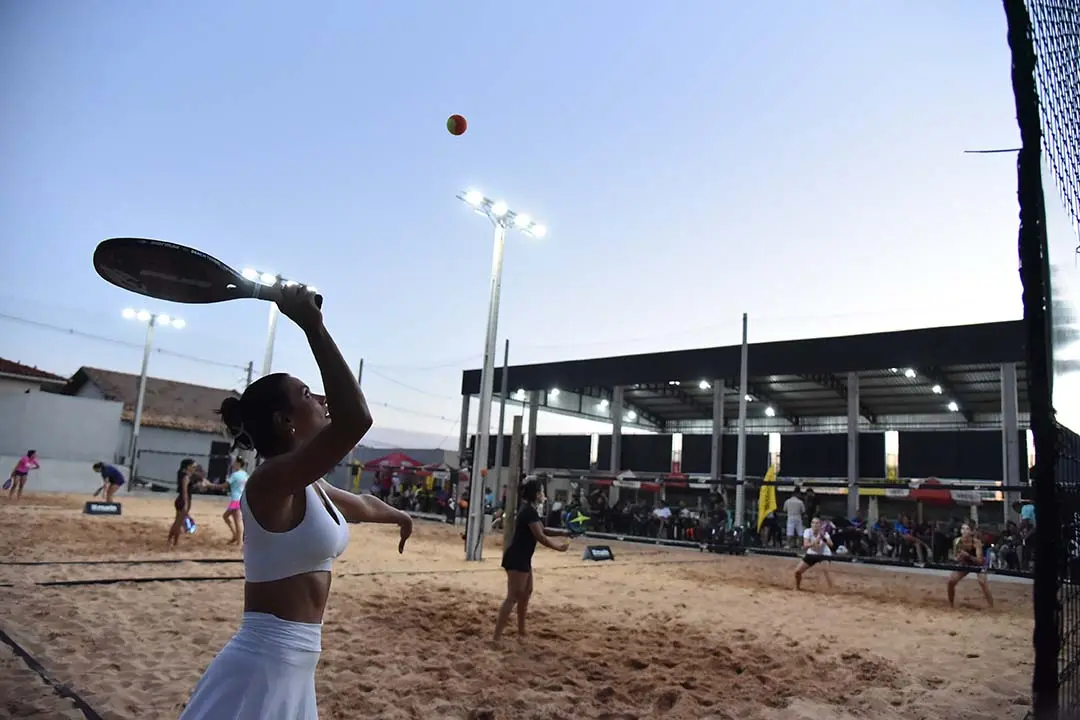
(968, 553)
(517, 558)
(182, 504)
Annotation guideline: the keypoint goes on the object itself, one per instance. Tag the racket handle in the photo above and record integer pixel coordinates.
(273, 292)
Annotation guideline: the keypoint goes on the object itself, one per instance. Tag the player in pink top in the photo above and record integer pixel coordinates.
(17, 479)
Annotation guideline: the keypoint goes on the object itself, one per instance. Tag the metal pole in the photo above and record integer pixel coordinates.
(271, 333)
(250, 373)
(740, 467)
(510, 510)
(503, 397)
(474, 533)
(133, 459)
(352, 453)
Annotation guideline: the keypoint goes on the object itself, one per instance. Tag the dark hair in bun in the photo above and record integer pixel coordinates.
(530, 491)
(249, 419)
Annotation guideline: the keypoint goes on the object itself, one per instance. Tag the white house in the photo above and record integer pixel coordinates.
(179, 420)
(18, 378)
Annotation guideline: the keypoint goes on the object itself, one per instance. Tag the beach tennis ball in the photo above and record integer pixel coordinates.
(456, 124)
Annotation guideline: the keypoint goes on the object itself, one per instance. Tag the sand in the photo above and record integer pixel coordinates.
(654, 634)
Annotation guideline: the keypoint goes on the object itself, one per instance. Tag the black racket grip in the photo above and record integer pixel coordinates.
(318, 301)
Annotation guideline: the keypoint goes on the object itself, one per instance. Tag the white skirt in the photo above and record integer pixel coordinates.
(266, 672)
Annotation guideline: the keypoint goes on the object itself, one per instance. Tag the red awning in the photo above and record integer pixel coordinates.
(930, 491)
(393, 460)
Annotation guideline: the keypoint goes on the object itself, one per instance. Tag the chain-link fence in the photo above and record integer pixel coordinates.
(1044, 37)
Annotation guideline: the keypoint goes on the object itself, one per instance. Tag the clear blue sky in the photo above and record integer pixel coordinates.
(798, 161)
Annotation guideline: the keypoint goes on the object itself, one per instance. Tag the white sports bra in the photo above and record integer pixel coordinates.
(311, 546)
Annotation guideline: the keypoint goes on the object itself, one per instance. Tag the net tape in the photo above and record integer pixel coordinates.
(1056, 37)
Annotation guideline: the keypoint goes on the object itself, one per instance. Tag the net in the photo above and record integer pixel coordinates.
(1044, 37)
(1055, 36)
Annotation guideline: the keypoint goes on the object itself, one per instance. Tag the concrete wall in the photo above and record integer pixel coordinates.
(59, 426)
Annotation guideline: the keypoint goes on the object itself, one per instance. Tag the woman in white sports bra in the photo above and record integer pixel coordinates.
(295, 525)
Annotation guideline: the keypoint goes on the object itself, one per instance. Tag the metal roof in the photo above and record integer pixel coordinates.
(911, 372)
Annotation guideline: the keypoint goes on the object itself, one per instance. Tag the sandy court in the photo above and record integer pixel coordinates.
(654, 634)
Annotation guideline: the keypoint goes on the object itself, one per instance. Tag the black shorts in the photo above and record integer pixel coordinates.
(811, 560)
(18, 474)
(516, 561)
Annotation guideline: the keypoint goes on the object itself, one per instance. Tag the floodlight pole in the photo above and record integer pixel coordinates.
(137, 423)
(474, 530)
(271, 335)
(502, 218)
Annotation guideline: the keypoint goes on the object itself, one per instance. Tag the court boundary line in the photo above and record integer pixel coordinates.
(61, 689)
(163, 561)
(370, 573)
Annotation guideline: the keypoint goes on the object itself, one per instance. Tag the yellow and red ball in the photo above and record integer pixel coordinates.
(456, 124)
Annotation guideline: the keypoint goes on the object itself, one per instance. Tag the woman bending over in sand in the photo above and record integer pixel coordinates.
(968, 552)
(17, 479)
(296, 527)
(817, 548)
(182, 503)
(517, 558)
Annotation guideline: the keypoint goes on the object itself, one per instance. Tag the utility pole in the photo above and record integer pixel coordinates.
(250, 373)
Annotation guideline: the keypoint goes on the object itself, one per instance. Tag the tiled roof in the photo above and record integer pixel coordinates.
(10, 367)
(168, 404)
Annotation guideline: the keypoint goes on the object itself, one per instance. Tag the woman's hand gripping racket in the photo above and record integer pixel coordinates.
(167, 271)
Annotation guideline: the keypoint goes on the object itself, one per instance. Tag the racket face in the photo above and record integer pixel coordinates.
(167, 271)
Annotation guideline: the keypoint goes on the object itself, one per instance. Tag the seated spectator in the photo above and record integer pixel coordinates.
(771, 533)
(881, 535)
(907, 543)
(662, 519)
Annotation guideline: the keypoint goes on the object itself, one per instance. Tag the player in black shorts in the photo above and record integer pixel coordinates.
(517, 558)
(182, 504)
(968, 552)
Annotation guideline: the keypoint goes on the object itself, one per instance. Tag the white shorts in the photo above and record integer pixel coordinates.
(794, 526)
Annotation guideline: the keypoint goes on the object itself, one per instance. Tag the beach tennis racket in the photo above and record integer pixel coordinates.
(576, 522)
(176, 273)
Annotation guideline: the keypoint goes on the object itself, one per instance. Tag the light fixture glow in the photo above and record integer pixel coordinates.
(128, 314)
(268, 278)
(522, 221)
(474, 197)
(936, 389)
(603, 404)
(674, 382)
(143, 316)
(554, 392)
(164, 320)
(909, 373)
(250, 274)
(631, 416)
(749, 399)
(499, 208)
(704, 385)
(953, 407)
(769, 412)
(178, 323)
(538, 231)
(894, 370)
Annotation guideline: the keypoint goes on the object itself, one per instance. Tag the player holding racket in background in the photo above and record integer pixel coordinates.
(296, 526)
(817, 547)
(17, 480)
(517, 558)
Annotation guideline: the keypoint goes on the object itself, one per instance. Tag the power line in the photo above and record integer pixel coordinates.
(406, 386)
(114, 341)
